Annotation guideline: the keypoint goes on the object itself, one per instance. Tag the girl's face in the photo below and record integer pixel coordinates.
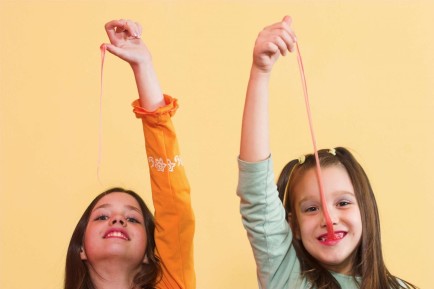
(335, 255)
(115, 231)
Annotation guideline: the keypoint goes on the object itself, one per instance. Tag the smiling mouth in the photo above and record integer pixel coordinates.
(337, 236)
(116, 234)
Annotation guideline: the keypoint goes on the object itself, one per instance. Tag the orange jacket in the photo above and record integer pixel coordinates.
(174, 219)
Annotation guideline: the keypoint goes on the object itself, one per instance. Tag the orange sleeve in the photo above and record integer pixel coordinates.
(174, 218)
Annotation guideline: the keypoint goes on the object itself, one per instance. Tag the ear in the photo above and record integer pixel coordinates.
(294, 227)
(83, 254)
(145, 259)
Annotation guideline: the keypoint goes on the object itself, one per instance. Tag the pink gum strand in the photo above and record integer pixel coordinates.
(330, 232)
(103, 49)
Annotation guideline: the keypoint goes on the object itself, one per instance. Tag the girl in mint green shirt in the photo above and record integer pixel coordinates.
(285, 224)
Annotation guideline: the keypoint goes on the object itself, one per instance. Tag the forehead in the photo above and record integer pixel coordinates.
(118, 199)
(335, 180)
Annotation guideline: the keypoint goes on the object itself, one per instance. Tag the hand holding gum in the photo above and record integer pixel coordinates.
(330, 233)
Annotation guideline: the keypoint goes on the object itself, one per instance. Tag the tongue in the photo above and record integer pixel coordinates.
(334, 237)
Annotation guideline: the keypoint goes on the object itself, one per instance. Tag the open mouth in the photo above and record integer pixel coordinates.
(337, 237)
(116, 234)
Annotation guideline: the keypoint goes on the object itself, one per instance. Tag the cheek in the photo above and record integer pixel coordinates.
(141, 242)
(87, 241)
(306, 227)
(91, 236)
(143, 237)
(358, 224)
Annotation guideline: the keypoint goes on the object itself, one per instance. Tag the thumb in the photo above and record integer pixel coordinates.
(113, 49)
(287, 19)
(117, 51)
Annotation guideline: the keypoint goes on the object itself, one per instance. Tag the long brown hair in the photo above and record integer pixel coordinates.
(76, 271)
(369, 263)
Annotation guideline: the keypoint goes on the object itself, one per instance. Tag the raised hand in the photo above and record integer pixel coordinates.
(273, 41)
(125, 41)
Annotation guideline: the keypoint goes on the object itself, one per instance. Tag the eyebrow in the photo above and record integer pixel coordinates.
(344, 193)
(340, 193)
(103, 206)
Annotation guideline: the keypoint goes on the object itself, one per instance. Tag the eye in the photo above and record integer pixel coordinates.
(101, 218)
(343, 203)
(133, 220)
(311, 209)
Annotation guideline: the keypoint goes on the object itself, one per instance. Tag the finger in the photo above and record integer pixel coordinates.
(287, 19)
(140, 30)
(132, 29)
(281, 45)
(286, 24)
(123, 27)
(137, 30)
(114, 50)
(270, 48)
(268, 42)
(281, 37)
(288, 39)
(285, 34)
(113, 27)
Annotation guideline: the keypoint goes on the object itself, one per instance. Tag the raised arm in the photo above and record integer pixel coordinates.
(174, 219)
(262, 212)
(272, 41)
(126, 43)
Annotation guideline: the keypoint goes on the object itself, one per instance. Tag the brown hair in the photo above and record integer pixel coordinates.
(369, 263)
(76, 272)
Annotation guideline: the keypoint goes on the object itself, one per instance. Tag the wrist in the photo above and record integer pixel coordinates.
(142, 67)
(258, 73)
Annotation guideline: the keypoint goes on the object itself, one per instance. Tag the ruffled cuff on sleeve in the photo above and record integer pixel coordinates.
(170, 108)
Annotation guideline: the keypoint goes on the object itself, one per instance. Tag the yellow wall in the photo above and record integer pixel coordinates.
(370, 71)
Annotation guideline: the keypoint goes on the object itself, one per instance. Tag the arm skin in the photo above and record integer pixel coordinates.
(272, 41)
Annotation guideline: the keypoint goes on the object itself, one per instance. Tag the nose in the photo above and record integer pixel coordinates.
(120, 220)
(324, 223)
(333, 218)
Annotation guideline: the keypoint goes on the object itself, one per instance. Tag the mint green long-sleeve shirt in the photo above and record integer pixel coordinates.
(270, 236)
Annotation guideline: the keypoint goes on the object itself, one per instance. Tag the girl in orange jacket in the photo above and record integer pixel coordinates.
(117, 243)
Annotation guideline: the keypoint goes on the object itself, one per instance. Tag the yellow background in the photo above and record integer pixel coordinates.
(370, 73)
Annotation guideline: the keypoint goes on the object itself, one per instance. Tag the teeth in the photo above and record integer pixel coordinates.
(339, 235)
(116, 234)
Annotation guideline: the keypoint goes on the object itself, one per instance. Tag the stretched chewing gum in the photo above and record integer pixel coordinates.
(330, 233)
(103, 49)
